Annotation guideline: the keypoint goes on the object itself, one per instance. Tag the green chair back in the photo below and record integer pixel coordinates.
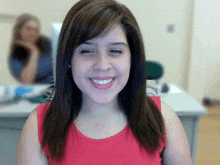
(155, 70)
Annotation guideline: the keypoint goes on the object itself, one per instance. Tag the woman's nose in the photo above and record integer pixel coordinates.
(103, 62)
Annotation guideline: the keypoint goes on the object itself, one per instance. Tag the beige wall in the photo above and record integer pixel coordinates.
(204, 77)
(212, 87)
(173, 50)
(6, 24)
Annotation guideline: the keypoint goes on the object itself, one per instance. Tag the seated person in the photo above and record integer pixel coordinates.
(30, 59)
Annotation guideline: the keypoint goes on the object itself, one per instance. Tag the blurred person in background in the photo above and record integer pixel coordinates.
(30, 60)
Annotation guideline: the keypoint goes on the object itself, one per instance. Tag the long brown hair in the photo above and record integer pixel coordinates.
(88, 19)
(42, 43)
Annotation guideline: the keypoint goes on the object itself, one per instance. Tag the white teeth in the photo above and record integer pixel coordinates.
(102, 82)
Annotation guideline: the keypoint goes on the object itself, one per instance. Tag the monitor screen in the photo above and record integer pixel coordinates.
(55, 29)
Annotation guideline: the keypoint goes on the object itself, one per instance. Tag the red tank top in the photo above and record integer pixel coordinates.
(119, 149)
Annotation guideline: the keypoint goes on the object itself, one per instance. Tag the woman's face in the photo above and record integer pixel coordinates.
(30, 31)
(101, 66)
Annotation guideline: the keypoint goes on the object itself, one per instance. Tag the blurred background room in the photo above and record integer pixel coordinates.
(182, 35)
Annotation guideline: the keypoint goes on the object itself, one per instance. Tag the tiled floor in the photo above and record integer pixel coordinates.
(208, 147)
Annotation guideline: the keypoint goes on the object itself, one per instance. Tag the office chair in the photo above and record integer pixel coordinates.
(155, 70)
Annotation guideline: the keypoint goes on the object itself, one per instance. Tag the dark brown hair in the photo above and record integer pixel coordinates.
(88, 19)
(22, 53)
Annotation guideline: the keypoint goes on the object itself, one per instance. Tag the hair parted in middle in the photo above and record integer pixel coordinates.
(86, 20)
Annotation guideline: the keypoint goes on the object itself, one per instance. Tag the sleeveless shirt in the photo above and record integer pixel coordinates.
(120, 149)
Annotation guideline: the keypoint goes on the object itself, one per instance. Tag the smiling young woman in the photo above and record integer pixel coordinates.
(101, 72)
(100, 113)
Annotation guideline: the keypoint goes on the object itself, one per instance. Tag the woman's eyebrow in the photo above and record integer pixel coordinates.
(118, 43)
(88, 43)
(112, 43)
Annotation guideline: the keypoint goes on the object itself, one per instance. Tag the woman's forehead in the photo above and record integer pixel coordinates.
(115, 34)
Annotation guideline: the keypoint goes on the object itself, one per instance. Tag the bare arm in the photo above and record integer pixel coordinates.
(28, 74)
(177, 151)
(28, 152)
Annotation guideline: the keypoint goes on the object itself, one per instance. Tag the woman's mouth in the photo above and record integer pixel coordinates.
(102, 83)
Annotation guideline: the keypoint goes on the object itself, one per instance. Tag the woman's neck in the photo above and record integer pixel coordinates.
(99, 121)
(95, 110)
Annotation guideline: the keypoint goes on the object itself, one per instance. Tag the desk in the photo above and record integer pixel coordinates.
(13, 117)
(12, 120)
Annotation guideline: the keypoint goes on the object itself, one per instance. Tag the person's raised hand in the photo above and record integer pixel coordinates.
(30, 46)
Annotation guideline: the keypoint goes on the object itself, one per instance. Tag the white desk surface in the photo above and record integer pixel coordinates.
(23, 108)
(184, 105)
(181, 102)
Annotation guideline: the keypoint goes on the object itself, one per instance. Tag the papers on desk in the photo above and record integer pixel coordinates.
(9, 91)
(155, 90)
(174, 89)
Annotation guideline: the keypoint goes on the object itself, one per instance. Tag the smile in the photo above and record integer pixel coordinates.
(102, 82)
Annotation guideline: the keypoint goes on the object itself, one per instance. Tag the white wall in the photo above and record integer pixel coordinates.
(170, 49)
(173, 50)
(204, 78)
(6, 24)
(212, 87)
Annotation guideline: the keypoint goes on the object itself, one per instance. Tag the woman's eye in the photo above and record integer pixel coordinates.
(85, 51)
(116, 51)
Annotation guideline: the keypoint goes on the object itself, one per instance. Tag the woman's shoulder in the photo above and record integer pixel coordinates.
(29, 143)
(30, 127)
(176, 137)
(168, 113)
(36, 112)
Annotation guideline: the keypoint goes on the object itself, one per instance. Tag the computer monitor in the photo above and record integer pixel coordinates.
(55, 29)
